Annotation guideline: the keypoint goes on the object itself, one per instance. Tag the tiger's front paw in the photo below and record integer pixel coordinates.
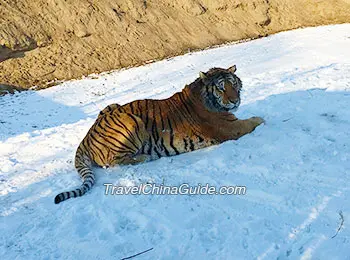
(257, 120)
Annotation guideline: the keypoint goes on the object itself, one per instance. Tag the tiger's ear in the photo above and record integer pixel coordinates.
(232, 69)
(202, 75)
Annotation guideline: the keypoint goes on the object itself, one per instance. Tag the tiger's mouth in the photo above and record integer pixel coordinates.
(233, 107)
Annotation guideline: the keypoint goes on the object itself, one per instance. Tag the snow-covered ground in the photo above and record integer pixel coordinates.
(296, 167)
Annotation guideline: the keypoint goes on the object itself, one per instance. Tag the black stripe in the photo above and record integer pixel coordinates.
(146, 111)
(183, 117)
(191, 145)
(74, 194)
(88, 149)
(185, 105)
(82, 150)
(82, 176)
(131, 135)
(97, 153)
(122, 144)
(154, 126)
(149, 151)
(110, 125)
(97, 141)
(119, 157)
(115, 139)
(231, 120)
(176, 117)
(143, 148)
(165, 149)
(107, 109)
(126, 151)
(156, 151)
(89, 178)
(131, 107)
(120, 124)
(114, 122)
(155, 132)
(161, 117)
(134, 119)
(83, 169)
(112, 145)
(89, 181)
(121, 133)
(138, 106)
(87, 175)
(137, 126)
(200, 139)
(172, 108)
(172, 138)
(185, 141)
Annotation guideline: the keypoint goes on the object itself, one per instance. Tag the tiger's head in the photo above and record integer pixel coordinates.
(221, 89)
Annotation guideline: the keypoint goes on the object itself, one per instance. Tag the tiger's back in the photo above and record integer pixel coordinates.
(174, 125)
(153, 128)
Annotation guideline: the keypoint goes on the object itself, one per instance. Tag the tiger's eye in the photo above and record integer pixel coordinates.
(221, 87)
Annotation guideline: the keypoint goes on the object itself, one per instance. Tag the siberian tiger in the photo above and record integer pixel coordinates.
(143, 130)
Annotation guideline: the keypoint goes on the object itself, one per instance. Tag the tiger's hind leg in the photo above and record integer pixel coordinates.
(129, 136)
(130, 159)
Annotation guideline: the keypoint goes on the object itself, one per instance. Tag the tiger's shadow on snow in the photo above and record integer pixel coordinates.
(28, 111)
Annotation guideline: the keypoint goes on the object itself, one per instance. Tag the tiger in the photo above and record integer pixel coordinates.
(199, 116)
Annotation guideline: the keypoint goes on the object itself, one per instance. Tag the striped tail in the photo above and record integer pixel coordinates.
(83, 165)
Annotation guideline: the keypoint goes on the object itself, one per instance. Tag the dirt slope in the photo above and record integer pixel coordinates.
(48, 40)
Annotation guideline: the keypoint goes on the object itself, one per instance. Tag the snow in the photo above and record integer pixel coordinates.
(296, 166)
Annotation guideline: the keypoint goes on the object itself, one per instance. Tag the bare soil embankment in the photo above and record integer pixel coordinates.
(50, 40)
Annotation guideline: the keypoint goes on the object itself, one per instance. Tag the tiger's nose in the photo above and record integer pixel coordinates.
(234, 100)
